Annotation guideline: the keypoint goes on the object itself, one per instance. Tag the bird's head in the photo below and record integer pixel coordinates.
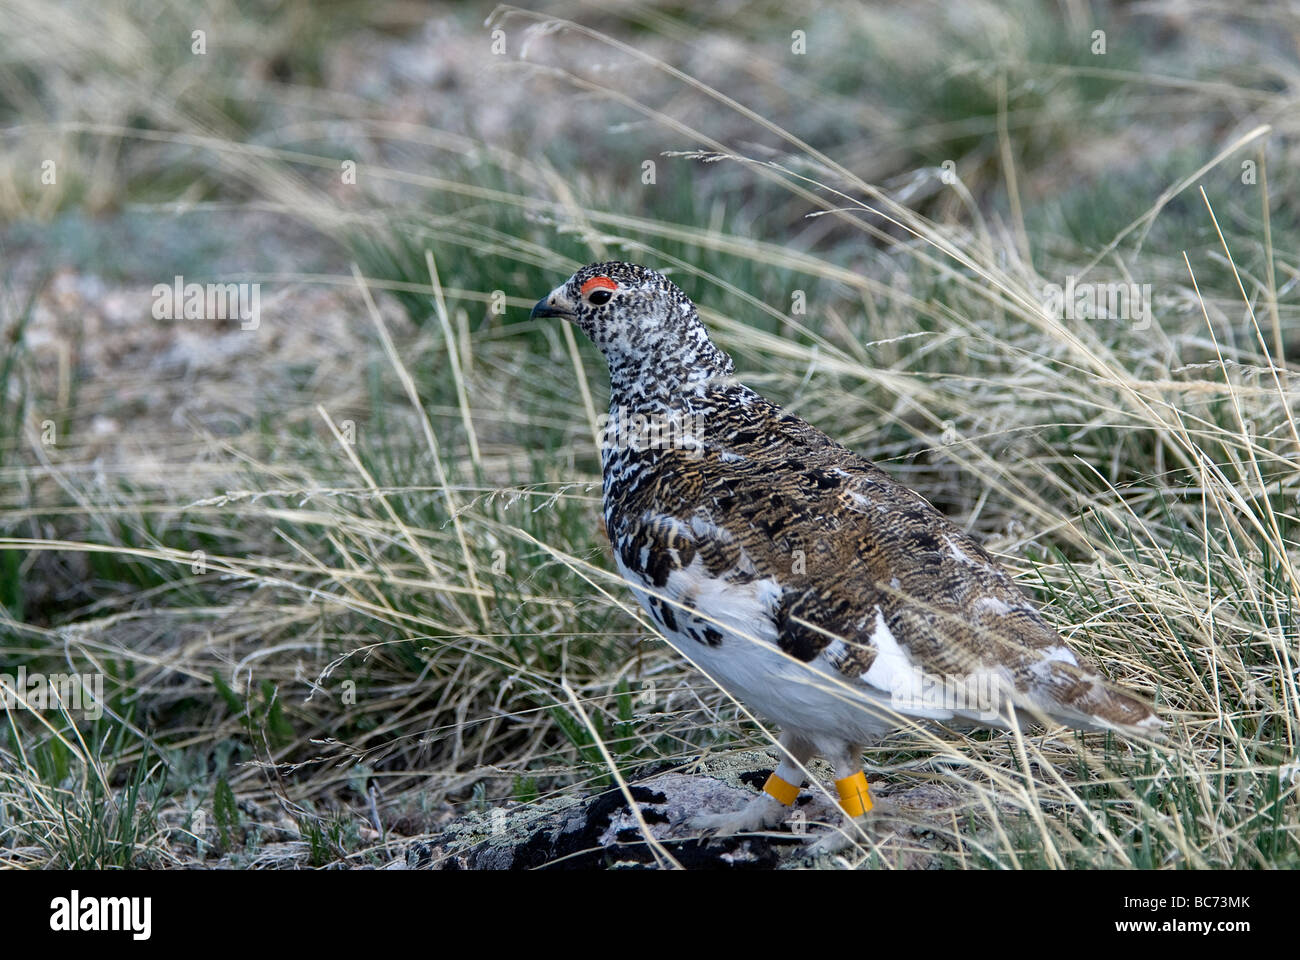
(641, 321)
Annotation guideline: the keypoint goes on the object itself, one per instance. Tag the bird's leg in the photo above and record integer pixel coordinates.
(855, 802)
(778, 794)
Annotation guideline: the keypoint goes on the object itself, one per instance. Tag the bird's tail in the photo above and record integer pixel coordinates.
(1080, 698)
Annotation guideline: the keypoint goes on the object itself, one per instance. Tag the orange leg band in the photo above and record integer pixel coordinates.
(776, 787)
(855, 797)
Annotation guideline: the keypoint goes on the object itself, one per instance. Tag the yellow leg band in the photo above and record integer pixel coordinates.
(855, 797)
(785, 792)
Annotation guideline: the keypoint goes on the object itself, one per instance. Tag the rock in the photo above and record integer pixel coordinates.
(602, 832)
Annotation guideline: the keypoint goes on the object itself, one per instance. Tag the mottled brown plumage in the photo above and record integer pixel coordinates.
(843, 538)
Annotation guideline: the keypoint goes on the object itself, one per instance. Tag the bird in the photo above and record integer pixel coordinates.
(821, 593)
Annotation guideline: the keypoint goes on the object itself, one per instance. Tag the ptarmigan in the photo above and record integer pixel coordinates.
(816, 590)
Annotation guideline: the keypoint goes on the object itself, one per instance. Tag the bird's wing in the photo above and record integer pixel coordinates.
(838, 563)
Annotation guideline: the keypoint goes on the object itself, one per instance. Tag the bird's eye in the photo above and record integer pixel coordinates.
(598, 290)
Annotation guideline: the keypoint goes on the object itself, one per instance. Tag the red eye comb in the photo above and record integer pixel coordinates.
(598, 283)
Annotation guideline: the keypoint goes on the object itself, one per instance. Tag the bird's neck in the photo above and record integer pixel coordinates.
(659, 378)
(659, 403)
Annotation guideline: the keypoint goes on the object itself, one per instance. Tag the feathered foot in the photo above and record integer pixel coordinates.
(779, 793)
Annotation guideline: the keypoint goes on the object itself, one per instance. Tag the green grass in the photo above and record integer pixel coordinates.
(321, 634)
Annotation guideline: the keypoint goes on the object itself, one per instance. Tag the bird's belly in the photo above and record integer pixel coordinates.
(807, 698)
(812, 699)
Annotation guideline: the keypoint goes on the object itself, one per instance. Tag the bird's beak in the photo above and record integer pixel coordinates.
(552, 305)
